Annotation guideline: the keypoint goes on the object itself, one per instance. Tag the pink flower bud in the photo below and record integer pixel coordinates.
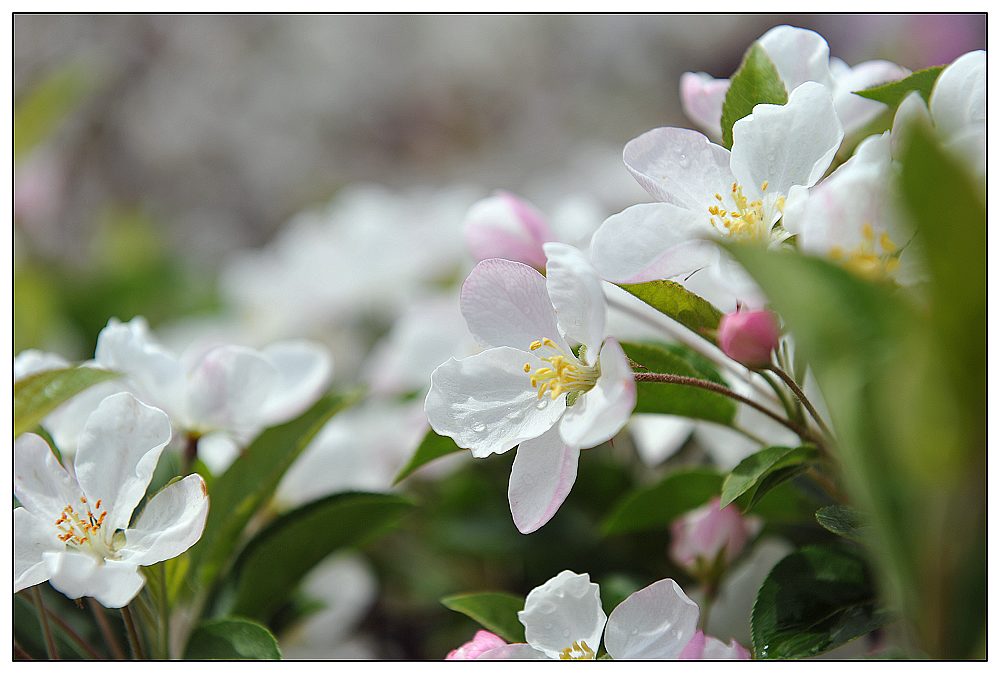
(749, 337)
(508, 227)
(471, 650)
(707, 536)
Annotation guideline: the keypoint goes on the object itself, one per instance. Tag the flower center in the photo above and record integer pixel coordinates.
(565, 373)
(578, 651)
(82, 530)
(740, 218)
(866, 259)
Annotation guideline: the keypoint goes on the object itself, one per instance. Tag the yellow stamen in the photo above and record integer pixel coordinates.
(565, 372)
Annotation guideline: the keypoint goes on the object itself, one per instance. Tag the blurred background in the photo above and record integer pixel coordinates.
(256, 178)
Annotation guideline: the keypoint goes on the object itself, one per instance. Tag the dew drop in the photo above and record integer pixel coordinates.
(479, 428)
(515, 415)
(683, 161)
(542, 404)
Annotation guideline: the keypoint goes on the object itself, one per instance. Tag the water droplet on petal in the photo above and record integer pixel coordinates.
(542, 404)
(515, 415)
(683, 161)
(479, 428)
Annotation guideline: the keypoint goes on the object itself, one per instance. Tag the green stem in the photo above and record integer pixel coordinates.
(134, 640)
(164, 614)
(43, 620)
(800, 394)
(791, 409)
(72, 634)
(20, 653)
(711, 591)
(719, 388)
(105, 627)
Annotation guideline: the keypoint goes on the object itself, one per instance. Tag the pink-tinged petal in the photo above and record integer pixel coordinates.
(959, 97)
(679, 166)
(513, 652)
(702, 97)
(110, 582)
(41, 484)
(33, 537)
(695, 648)
(304, 370)
(749, 337)
(156, 374)
(506, 304)
(855, 111)
(542, 476)
(655, 623)
(565, 609)
(486, 403)
(577, 297)
(506, 226)
(601, 412)
(717, 650)
(228, 390)
(171, 522)
(652, 241)
(786, 145)
(657, 437)
(118, 451)
(480, 643)
(698, 537)
(799, 55)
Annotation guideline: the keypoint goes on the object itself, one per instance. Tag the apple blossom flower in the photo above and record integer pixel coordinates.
(563, 619)
(233, 390)
(708, 192)
(76, 530)
(749, 337)
(800, 56)
(852, 218)
(504, 225)
(480, 643)
(709, 539)
(956, 110)
(530, 388)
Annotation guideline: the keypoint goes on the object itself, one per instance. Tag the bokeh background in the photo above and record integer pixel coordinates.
(267, 177)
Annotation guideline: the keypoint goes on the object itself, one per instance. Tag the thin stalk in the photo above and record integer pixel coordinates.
(72, 634)
(719, 388)
(190, 453)
(20, 653)
(711, 591)
(164, 614)
(791, 409)
(800, 394)
(43, 620)
(134, 640)
(109, 636)
(693, 342)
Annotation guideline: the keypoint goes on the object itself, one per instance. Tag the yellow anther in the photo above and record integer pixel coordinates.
(887, 245)
(535, 345)
(565, 372)
(718, 196)
(763, 186)
(527, 367)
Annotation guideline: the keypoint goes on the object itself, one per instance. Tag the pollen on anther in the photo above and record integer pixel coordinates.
(527, 367)
(535, 345)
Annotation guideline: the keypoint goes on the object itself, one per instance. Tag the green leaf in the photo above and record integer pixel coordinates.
(433, 446)
(843, 521)
(250, 482)
(678, 399)
(813, 600)
(656, 506)
(277, 558)
(893, 93)
(674, 300)
(756, 81)
(232, 639)
(496, 611)
(39, 394)
(37, 114)
(760, 472)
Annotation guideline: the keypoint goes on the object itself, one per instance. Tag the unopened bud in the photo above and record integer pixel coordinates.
(707, 540)
(507, 227)
(749, 337)
(471, 650)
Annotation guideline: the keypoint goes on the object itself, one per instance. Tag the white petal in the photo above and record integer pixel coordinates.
(75, 574)
(41, 484)
(679, 166)
(156, 374)
(577, 297)
(652, 241)
(33, 361)
(170, 523)
(911, 113)
(304, 370)
(701, 97)
(218, 451)
(33, 536)
(601, 412)
(486, 402)
(66, 422)
(655, 623)
(657, 437)
(799, 55)
(118, 451)
(959, 97)
(855, 111)
(513, 652)
(542, 476)
(717, 650)
(506, 304)
(785, 145)
(228, 389)
(565, 609)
